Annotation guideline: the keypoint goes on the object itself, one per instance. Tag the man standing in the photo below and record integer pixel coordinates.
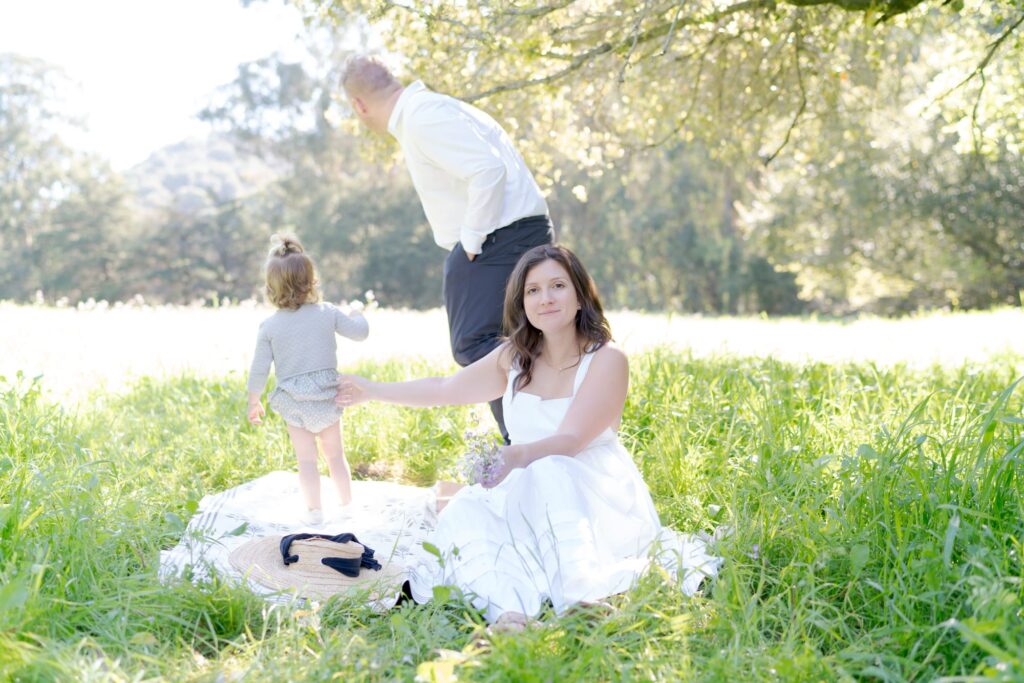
(480, 199)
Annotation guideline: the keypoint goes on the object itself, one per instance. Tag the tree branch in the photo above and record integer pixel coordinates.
(541, 11)
(803, 97)
(576, 63)
(663, 28)
(975, 128)
(636, 34)
(695, 90)
(671, 30)
(978, 70)
(429, 16)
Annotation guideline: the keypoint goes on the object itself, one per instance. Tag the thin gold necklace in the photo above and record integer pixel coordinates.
(558, 369)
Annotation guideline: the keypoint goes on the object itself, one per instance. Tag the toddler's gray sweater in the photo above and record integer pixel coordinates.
(301, 341)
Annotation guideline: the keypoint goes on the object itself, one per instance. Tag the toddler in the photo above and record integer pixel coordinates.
(299, 339)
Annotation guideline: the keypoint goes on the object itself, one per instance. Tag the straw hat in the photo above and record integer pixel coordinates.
(262, 561)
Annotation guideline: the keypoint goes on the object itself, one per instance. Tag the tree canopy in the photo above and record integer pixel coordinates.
(607, 77)
(54, 200)
(893, 137)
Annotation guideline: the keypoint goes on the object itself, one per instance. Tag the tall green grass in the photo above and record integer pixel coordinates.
(875, 519)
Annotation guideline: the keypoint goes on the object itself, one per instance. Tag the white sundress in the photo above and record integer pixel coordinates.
(562, 530)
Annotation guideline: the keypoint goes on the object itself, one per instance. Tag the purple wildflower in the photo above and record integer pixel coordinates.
(482, 461)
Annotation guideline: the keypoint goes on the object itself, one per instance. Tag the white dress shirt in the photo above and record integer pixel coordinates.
(469, 177)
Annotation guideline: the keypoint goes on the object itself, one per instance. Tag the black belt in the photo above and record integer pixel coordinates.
(527, 222)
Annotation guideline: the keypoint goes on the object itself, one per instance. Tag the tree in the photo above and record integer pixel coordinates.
(834, 123)
(358, 214)
(610, 76)
(662, 233)
(204, 222)
(63, 218)
(913, 205)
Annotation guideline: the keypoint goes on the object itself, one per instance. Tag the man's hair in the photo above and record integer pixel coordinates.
(367, 75)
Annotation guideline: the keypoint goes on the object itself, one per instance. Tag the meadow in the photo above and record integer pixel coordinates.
(79, 350)
(876, 512)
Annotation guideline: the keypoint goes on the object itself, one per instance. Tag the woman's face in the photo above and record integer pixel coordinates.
(549, 297)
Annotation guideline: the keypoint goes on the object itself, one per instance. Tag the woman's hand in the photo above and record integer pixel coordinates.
(511, 458)
(352, 390)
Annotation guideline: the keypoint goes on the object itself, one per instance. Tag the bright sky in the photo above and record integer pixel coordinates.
(145, 67)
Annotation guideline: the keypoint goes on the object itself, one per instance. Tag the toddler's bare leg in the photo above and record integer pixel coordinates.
(334, 452)
(304, 443)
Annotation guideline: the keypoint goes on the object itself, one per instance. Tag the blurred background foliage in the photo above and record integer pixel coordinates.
(701, 157)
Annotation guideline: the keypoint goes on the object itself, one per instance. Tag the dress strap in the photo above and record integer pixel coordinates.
(581, 372)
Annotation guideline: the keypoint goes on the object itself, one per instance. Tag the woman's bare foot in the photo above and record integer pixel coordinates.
(591, 608)
(510, 622)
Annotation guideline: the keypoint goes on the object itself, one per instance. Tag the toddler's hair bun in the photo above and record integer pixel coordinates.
(284, 244)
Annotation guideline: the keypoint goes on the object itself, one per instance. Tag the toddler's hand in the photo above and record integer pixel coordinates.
(256, 413)
(358, 307)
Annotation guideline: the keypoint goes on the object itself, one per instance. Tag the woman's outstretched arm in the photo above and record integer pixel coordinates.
(597, 406)
(480, 382)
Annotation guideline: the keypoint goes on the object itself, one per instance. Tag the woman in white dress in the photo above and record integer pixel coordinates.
(568, 517)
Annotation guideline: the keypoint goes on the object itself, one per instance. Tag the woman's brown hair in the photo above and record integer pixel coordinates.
(523, 338)
(291, 275)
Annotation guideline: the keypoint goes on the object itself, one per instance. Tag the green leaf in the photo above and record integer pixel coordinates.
(988, 434)
(442, 593)
(238, 530)
(144, 638)
(174, 521)
(867, 452)
(13, 594)
(432, 549)
(986, 627)
(947, 546)
(859, 556)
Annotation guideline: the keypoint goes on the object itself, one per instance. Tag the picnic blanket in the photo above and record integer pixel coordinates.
(391, 518)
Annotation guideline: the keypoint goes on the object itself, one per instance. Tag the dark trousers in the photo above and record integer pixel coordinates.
(474, 291)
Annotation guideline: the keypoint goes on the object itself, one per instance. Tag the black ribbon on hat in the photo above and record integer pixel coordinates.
(349, 566)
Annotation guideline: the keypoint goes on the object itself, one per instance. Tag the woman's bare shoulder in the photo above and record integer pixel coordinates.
(505, 354)
(611, 356)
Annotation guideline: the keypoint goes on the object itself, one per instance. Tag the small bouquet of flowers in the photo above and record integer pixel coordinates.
(482, 461)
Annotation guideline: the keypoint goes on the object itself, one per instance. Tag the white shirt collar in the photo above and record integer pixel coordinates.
(403, 99)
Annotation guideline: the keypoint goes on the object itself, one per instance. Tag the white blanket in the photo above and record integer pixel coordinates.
(390, 518)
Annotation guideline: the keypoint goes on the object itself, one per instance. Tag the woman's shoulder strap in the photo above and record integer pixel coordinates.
(581, 372)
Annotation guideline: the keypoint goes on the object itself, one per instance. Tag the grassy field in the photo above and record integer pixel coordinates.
(77, 351)
(878, 517)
